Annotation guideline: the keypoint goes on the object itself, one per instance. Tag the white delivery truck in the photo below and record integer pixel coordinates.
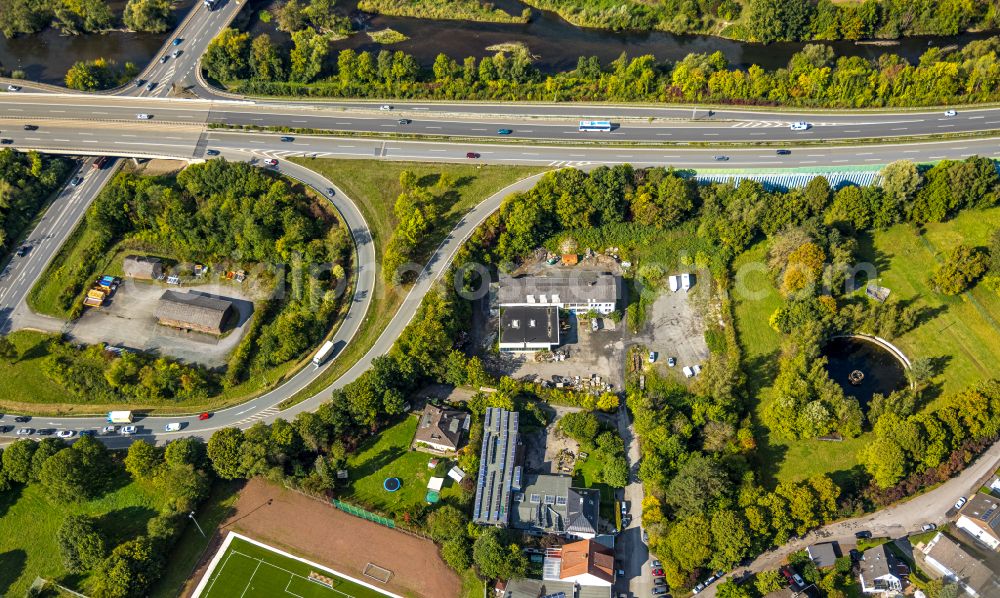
(173, 427)
(323, 353)
(119, 417)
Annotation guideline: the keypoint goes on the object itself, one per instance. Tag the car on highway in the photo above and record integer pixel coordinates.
(22, 418)
(23, 250)
(783, 152)
(76, 180)
(404, 121)
(177, 41)
(721, 158)
(128, 430)
(6, 141)
(151, 86)
(5, 429)
(504, 131)
(287, 139)
(173, 427)
(204, 415)
(928, 527)
(270, 162)
(385, 107)
(961, 502)
(164, 58)
(331, 191)
(30, 127)
(471, 155)
(139, 82)
(86, 433)
(863, 535)
(800, 126)
(107, 430)
(13, 88)
(950, 112)
(211, 152)
(65, 433)
(25, 432)
(176, 53)
(143, 116)
(671, 361)
(45, 432)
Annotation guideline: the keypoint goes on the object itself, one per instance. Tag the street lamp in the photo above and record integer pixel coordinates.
(191, 517)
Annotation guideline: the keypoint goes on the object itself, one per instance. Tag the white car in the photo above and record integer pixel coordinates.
(800, 126)
(270, 162)
(13, 88)
(173, 427)
(961, 503)
(109, 430)
(65, 433)
(652, 356)
(143, 116)
(25, 432)
(128, 430)
(385, 107)
(950, 113)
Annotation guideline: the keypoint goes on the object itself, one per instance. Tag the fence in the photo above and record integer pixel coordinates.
(363, 514)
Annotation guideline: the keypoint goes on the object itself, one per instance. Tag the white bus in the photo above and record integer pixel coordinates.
(595, 125)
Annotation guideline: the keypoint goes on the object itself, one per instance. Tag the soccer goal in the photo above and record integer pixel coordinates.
(380, 574)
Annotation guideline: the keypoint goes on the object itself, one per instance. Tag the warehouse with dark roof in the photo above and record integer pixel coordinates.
(193, 311)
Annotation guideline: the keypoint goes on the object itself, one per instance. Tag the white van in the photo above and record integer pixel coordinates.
(800, 126)
(173, 427)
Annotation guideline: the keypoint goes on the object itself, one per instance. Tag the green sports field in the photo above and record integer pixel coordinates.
(247, 570)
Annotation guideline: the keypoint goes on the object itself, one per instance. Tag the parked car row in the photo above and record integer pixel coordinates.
(109, 430)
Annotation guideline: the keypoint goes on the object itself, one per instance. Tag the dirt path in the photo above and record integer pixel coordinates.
(318, 531)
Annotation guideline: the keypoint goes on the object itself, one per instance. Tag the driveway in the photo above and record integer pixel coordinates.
(896, 521)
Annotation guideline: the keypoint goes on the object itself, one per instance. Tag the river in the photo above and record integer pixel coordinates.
(557, 44)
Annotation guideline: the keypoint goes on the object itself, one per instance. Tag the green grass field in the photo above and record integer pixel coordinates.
(389, 455)
(29, 521)
(961, 333)
(246, 570)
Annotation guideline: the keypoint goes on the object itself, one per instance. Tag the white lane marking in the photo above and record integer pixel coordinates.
(898, 129)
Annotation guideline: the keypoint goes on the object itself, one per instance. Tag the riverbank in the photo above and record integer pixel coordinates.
(451, 10)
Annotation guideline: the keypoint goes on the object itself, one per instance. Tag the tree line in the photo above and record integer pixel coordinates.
(782, 20)
(86, 470)
(813, 77)
(26, 181)
(23, 17)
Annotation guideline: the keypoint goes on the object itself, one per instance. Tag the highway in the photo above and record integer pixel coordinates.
(52, 230)
(477, 121)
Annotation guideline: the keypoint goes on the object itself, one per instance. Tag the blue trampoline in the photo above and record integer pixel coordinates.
(392, 484)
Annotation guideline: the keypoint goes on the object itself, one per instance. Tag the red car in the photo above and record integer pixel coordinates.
(657, 572)
(204, 416)
(472, 155)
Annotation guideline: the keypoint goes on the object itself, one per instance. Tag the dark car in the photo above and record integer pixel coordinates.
(211, 152)
(45, 432)
(76, 180)
(721, 158)
(30, 127)
(855, 555)
(204, 415)
(331, 192)
(404, 121)
(6, 141)
(865, 535)
(504, 131)
(23, 250)
(472, 155)
(783, 152)
(288, 139)
(139, 82)
(5, 429)
(87, 432)
(22, 418)
(151, 85)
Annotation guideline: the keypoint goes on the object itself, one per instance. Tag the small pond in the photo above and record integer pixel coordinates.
(883, 373)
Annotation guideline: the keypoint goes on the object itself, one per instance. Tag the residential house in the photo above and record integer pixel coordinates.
(441, 429)
(880, 572)
(980, 518)
(944, 558)
(547, 504)
(585, 563)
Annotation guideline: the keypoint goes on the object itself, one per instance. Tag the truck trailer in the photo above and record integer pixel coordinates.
(323, 353)
(119, 417)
